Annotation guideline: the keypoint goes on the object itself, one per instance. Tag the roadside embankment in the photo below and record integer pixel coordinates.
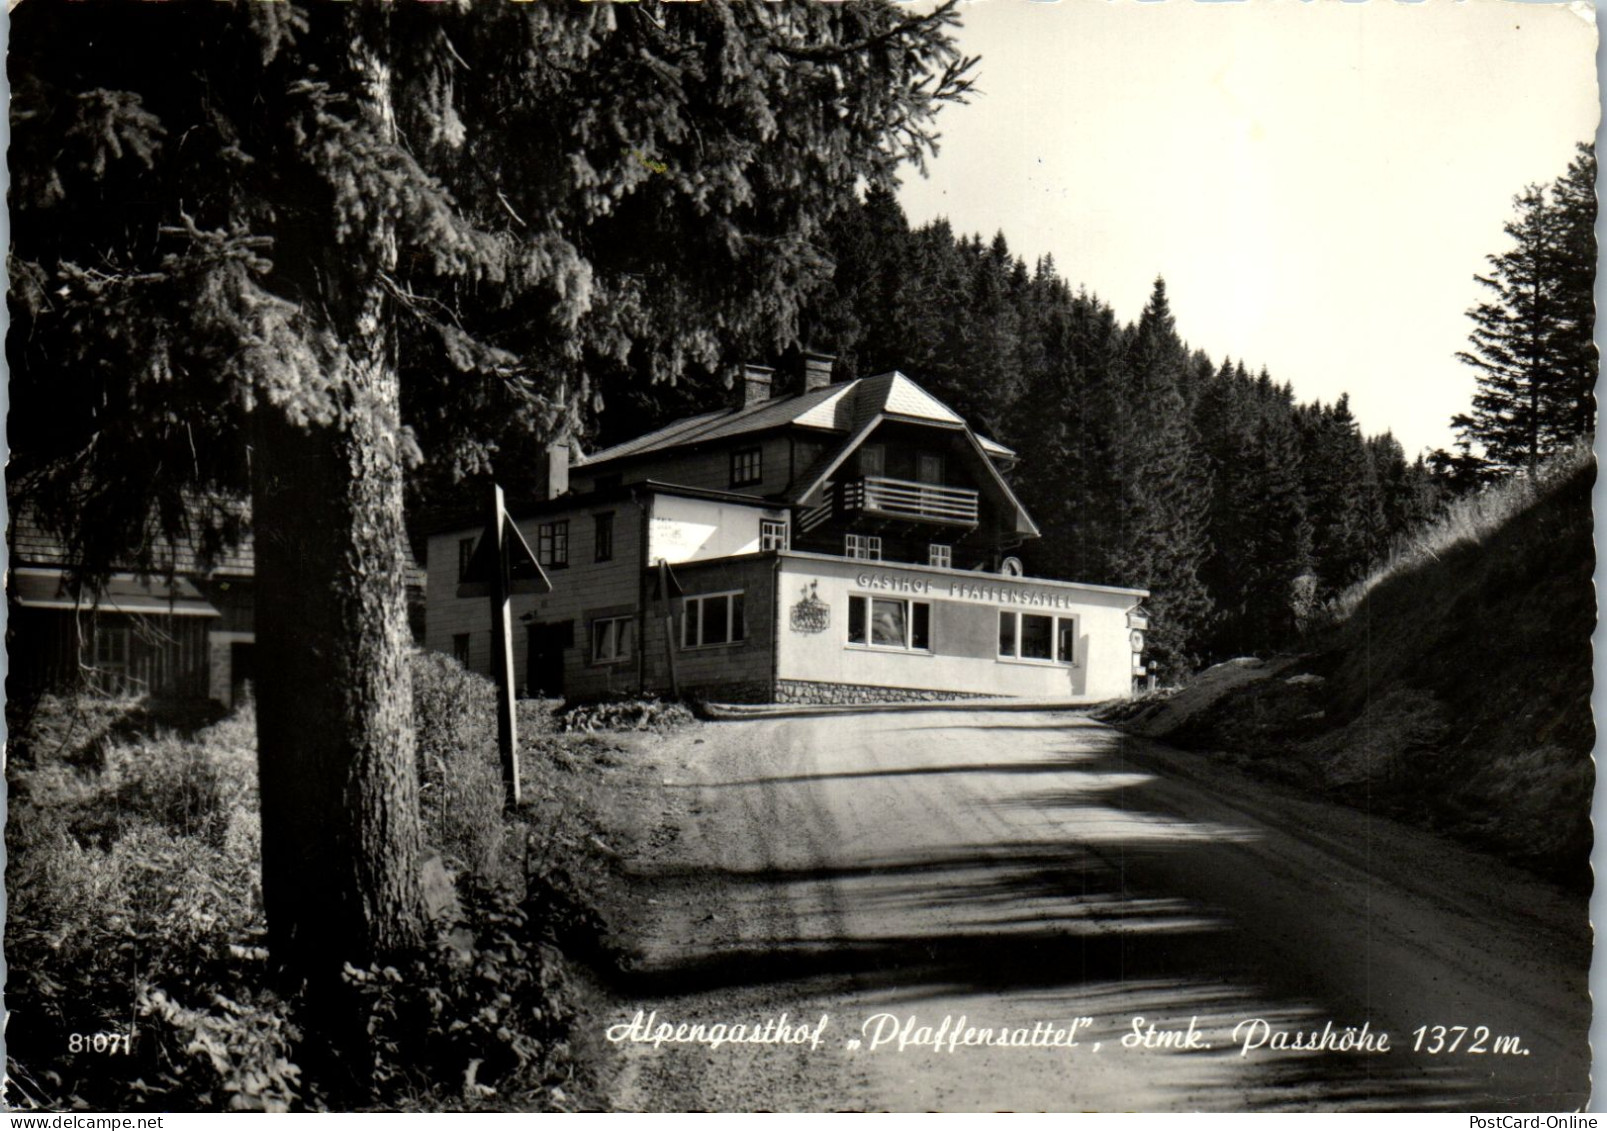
(1455, 694)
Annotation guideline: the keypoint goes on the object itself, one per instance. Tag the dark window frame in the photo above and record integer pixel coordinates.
(552, 544)
(465, 556)
(747, 467)
(603, 531)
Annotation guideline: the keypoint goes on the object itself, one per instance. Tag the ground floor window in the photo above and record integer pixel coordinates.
(716, 618)
(612, 639)
(888, 622)
(1037, 636)
(460, 648)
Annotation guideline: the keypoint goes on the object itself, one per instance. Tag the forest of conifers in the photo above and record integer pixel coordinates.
(1144, 462)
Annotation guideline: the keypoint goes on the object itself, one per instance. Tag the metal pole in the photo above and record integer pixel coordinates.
(502, 649)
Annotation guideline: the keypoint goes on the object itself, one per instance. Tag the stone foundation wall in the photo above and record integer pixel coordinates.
(808, 691)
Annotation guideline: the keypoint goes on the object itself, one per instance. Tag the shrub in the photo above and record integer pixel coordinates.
(484, 1010)
(135, 910)
(460, 775)
(133, 877)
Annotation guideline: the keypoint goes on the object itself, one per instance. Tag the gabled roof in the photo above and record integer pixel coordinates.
(840, 408)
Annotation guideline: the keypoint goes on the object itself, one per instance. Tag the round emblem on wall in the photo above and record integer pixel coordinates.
(1137, 640)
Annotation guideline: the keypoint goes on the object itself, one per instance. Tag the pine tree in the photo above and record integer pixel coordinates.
(239, 228)
(1573, 196)
(1532, 341)
(1165, 496)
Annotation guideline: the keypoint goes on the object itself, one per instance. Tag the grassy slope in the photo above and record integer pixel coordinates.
(1456, 694)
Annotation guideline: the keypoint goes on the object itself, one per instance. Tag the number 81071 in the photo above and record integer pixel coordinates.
(108, 1043)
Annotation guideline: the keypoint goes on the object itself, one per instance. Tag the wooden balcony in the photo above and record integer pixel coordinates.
(912, 502)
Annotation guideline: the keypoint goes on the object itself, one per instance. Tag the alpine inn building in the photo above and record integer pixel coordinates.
(842, 543)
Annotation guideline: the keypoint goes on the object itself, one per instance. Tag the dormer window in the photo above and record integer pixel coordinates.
(873, 460)
(929, 468)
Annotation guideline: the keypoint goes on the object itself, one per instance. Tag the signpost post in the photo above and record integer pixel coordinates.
(668, 587)
(501, 566)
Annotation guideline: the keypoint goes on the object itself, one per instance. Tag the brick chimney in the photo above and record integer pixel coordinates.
(557, 469)
(817, 370)
(755, 385)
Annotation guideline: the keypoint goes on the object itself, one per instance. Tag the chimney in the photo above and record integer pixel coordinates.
(557, 469)
(754, 385)
(817, 370)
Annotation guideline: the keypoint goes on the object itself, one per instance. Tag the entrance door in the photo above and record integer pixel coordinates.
(545, 673)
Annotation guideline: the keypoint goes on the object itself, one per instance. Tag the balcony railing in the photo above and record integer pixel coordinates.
(900, 498)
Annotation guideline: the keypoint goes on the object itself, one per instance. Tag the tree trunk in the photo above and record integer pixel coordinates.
(340, 820)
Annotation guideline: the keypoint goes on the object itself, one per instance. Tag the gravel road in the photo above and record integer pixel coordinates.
(1043, 878)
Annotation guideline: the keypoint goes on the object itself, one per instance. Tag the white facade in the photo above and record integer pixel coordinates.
(691, 529)
(861, 623)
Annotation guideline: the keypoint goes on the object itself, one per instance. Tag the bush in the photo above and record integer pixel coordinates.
(460, 773)
(484, 1010)
(134, 865)
(135, 910)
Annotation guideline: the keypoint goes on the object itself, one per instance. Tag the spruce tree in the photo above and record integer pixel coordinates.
(1164, 499)
(239, 227)
(1532, 340)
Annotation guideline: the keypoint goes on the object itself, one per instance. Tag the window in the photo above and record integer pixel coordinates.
(460, 648)
(465, 556)
(713, 619)
(746, 467)
(888, 622)
(929, 468)
(605, 536)
(866, 546)
(1037, 636)
(940, 554)
(552, 543)
(872, 460)
(111, 646)
(772, 534)
(1066, 640)
(612, 639)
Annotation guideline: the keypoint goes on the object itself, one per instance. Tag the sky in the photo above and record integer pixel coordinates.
(1317, 181)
